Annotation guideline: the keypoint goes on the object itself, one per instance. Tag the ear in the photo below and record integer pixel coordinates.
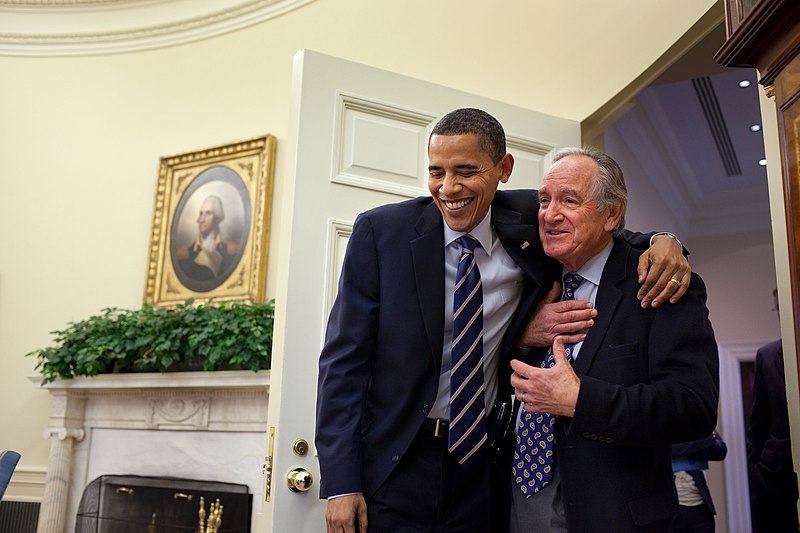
(506, 166)
(613, 215)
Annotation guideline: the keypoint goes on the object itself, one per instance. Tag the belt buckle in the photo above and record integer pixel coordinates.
(440, 428)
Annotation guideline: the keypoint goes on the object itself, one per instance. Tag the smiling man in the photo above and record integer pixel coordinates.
(599, 415)
(433, 295)
(464, 202)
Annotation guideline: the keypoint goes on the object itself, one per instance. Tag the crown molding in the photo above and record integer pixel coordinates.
(95, 27)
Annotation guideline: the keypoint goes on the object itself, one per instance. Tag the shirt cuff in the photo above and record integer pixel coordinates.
(340, 495)
(668, 234)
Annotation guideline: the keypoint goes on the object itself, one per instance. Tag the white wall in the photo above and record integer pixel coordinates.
(647, 210)
(81, 137)
(738, 269)
(739, 272)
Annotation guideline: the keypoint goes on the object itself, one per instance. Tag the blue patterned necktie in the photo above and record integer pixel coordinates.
(533, 455)
(467, 431)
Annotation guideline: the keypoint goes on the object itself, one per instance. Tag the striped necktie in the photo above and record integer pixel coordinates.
(467, 431)
(533, 455)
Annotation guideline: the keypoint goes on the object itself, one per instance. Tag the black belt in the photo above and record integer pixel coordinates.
(437, 426)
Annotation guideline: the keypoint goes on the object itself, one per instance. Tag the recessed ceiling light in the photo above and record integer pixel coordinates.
(763, 162)
(744, 83)
(755, 127)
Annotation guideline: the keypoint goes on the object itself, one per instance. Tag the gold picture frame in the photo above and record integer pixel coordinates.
(211, 222)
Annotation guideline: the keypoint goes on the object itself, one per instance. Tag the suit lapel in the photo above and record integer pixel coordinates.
(609, 296)
(427, 251)
(520, 241)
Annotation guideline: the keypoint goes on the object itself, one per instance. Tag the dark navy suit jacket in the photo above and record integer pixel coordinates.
(379, 368)
(710, 448)
(649, 378)
(773, 482)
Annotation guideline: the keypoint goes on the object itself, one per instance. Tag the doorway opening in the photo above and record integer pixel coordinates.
(687, 135)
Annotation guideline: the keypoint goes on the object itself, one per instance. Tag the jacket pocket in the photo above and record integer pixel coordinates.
(652, 508)
(620, 350)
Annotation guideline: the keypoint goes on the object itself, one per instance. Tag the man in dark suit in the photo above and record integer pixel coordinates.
(773, 482)
(383, 403)
(689, 462)
(641, 380)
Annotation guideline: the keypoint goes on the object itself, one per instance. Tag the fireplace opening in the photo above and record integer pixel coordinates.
(142, 504)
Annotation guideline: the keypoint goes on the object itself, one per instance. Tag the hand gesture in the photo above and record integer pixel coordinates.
(551, 390)
(663, 272)
(569, 318)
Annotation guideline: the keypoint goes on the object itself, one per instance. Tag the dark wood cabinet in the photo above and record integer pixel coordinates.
(736, 11)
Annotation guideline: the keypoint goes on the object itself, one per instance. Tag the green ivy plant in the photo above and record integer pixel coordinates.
(189, 336)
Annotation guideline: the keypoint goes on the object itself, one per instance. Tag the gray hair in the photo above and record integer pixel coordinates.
(216, 205)
(469, 120)
(609, 189)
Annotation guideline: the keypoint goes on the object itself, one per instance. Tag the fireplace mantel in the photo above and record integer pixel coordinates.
(199, 425)
(226, 379)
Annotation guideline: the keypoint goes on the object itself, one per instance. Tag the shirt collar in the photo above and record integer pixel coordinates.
(592, 269)
(481, 233)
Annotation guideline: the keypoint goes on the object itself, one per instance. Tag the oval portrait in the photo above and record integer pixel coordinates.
(210, 229)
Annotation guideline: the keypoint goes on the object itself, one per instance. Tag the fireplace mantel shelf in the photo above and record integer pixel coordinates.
(223, 379)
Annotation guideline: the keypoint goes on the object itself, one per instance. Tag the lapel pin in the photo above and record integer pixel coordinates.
(524, 245)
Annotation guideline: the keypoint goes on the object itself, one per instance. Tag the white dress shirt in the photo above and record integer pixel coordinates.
(502, 281)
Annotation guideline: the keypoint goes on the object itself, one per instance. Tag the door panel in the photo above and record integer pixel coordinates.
(358, 140)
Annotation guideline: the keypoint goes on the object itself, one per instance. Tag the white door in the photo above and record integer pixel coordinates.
(358, 140)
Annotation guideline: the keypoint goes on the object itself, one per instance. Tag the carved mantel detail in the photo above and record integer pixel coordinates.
(179, 413)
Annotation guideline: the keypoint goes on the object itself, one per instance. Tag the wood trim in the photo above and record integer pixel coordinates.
(787, 98)
(766, 39)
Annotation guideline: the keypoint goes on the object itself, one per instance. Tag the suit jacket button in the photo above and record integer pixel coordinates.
(395, 458)
(425, 408)
(594, 437)
(586, 434)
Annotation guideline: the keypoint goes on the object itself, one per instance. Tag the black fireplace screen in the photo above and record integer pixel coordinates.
(139, 504)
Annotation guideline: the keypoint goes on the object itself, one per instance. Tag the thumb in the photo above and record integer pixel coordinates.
(555, 293)
(559, 353)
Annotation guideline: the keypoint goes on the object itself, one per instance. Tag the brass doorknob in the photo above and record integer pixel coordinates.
(299, 480)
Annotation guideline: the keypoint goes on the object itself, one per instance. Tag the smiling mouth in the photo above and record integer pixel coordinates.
(457, 204)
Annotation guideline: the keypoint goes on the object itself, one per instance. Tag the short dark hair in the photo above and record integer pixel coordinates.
(470, 120)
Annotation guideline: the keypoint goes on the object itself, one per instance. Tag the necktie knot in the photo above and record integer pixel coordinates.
(571, 283)
(468, 244)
